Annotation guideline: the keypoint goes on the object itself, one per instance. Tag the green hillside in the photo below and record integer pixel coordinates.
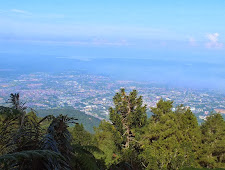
(88, 121)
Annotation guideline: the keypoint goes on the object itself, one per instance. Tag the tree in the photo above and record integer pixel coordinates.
(129, 113)
(212, 153)
(162, 108)
(18, 106)
(81, 136)
(21, 135)
(169, 138)
(128, 116)
(84, 149)
(27, 144)
(109, 141)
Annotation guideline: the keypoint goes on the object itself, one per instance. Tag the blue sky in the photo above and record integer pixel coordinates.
(188, 36)
(188, 24)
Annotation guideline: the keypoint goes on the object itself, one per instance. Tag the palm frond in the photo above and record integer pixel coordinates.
(16, 158)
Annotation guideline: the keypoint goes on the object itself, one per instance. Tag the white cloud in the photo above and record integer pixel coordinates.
(213, 37)
(213, 41)
(20, 11)
(192, 41)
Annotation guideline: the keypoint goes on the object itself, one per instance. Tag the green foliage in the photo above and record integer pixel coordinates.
(128, 116)
(13, 160)
(58, 139)
(81, 136)
(83, 149)
(83, 157)
(212, 153)
(24, 144)
(171, 138)
(88, 121)
(108, 139)
(167, 140)
(129, 109)
(162, 108)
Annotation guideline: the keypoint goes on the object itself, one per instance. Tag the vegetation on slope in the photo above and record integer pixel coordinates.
(88, 121)
(167, 140)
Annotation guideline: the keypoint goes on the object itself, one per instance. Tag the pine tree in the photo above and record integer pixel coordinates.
(128, 116)
(129, 113)
(169, 138)
(212, 153)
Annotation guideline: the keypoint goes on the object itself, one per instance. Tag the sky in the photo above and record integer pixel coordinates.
(151, 24)
(186, 31)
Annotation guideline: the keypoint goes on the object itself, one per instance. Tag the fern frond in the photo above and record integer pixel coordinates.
(14, 159)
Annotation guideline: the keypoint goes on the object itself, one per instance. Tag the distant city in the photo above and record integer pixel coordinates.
(93, 94)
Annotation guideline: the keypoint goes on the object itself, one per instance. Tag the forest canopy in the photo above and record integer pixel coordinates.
(169, 139)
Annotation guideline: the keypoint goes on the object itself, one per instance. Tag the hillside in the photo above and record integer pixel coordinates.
(88, 121)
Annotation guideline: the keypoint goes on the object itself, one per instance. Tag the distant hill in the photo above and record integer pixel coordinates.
(88, 121)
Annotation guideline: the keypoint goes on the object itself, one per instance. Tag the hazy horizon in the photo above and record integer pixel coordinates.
(179, 43)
